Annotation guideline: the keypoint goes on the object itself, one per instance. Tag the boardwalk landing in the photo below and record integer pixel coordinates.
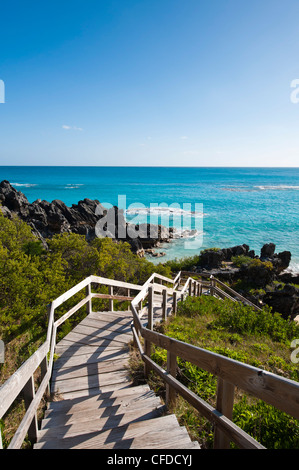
(98, 407)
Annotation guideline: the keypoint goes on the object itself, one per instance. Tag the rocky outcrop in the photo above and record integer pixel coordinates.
(284, 299)
(88, 218)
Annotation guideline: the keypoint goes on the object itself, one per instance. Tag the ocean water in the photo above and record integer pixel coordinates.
(210, 207)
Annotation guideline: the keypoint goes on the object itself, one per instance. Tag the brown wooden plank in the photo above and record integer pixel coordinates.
(65, 361)
(99, 424)
(96, 439)
(87, 369)
(120, 399)
(84, 334)
(112, 341)
(90, 391)
(70, 348)
(106, 325)
(92, 381)
(106, 412)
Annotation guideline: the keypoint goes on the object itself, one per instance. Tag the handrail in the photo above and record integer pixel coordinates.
(22, 381)
(272, 388)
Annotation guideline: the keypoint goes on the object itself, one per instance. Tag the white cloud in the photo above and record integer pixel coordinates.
(184, 137)
(72, 127)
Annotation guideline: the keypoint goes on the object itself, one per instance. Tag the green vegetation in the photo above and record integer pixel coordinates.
(261, 339)
(31, 277)
(187, 263)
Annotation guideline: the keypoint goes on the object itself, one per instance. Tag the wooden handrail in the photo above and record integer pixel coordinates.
(22, 380)
(278, 391)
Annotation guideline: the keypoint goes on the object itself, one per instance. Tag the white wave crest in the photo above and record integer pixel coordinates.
(280, 187)
(186, 233)
(25, 185)
(168, 211)
(73, 186)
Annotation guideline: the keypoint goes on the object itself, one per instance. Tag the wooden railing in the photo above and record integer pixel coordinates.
(22, 383)
(273, 389)
(276, 390)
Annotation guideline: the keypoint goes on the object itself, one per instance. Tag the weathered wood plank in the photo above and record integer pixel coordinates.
(67, 347)
(117, 411)
(88, 330)
(99, 424)
(105, 356)
(14, 385)
(122, 398)
(94, 390)
(97, 439)
(105, 340)
(92, 381)
(87, 369)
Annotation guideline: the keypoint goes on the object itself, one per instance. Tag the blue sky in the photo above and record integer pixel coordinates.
(159, 82)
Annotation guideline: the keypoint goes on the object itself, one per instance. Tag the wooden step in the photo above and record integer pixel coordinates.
(122, 399)
(107, 412)
(102, 338)
(117, 395)
(93, 391)
(96, 439)
(99, 424)
(67, 348)
(83, 356)
(89, 368)
(86, 382)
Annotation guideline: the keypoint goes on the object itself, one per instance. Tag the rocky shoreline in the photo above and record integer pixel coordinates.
(85, 218)
(267, 273)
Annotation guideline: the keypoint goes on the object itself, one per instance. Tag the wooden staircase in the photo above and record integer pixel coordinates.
(96, 404)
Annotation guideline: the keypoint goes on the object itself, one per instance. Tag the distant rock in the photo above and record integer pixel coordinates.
(284, 300)
(88, 218)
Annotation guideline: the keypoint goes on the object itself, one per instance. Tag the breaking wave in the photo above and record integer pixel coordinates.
(25, 185)
(166, 211)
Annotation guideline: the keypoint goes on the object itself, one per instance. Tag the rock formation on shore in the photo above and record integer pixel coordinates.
(265, 275)
(88, 218)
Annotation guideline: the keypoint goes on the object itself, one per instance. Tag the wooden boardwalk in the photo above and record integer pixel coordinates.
(96, 404)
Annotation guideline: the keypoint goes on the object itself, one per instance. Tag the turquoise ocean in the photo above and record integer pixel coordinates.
(210, 207)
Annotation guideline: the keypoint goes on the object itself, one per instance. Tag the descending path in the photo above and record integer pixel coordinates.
(96, 404)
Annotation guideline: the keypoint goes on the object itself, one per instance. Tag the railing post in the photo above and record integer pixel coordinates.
(29, 393)
(44, 370)
(171, 369)
(225, 402)
(110, 300)
(190, 287)
(195, 288)
(212, 280)
(88, 305)
(174, 302)
(164, 305)
(150, 307)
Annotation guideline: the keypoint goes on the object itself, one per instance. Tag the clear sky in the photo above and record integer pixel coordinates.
(149, 82)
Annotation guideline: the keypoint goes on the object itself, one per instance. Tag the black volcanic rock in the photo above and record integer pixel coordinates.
(284, 301)
(88, 218)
